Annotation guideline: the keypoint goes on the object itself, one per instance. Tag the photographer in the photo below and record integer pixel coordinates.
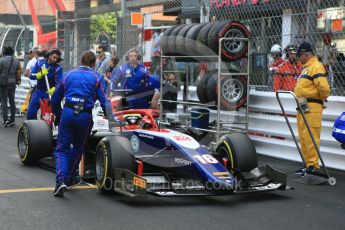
(111, 71)
(170, 86)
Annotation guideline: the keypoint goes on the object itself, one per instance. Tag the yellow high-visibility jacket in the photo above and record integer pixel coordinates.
(313, 82)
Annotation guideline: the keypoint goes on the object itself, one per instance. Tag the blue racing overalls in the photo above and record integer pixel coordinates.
(40, 90)
(137, 80)
(81, 87)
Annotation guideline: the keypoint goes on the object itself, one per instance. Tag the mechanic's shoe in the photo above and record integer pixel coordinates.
(76, 180)
(11, 123)
(60, 188)
(312, 170)
(5, 123)
(301, 171)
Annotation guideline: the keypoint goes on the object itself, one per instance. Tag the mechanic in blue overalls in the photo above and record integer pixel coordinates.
(80, 87)
(136, 78)
(44, 67)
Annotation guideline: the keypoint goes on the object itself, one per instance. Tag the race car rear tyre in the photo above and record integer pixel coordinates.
(112, 152)
(239, 150)
(34, 141)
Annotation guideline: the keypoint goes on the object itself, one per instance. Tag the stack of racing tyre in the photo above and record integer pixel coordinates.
(199, 40)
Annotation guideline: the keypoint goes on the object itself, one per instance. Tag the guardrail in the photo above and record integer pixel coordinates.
(21, 92)
(274, 137)
(267, 126)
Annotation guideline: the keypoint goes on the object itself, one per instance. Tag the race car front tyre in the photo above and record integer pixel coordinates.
(239, 151)
(112, 152)
(34, 141)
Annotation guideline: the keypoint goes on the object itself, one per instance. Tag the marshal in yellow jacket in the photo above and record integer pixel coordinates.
(313, 85)
(313, 82)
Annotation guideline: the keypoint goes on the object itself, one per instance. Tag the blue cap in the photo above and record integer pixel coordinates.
(304, 47)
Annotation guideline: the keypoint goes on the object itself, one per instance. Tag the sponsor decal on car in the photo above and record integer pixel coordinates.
(182, 138)
(182, 161)
(268, 187)
(137, 181)
(146, 136)
(224, 177)
(135, 143)
(100, 123)
(221, 173)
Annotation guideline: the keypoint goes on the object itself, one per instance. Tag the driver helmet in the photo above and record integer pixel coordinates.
(276, 50)
(145, 123)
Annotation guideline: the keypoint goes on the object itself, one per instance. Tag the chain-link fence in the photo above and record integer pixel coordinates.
(84, 24)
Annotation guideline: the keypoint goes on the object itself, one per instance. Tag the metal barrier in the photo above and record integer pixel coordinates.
(272, 137)
(21, 92)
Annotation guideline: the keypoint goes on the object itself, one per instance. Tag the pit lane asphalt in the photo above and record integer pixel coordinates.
(306, 207)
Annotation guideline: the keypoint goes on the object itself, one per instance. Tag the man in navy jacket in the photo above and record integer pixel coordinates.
(80, 87)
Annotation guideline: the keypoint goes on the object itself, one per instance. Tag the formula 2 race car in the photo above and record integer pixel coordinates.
(137, 157)
(141, 158)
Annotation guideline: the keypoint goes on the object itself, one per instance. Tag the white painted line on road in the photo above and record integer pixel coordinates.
(89, 184)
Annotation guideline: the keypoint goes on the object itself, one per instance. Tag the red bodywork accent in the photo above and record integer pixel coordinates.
(150, 114)
(46, 111)
(140, 168)
(225, 163)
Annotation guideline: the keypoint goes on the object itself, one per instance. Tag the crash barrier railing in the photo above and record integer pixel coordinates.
(21, 92)
(302, 110)
(267, 127)
(271, 133)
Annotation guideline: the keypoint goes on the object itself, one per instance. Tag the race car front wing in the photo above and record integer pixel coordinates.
(262, 179)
